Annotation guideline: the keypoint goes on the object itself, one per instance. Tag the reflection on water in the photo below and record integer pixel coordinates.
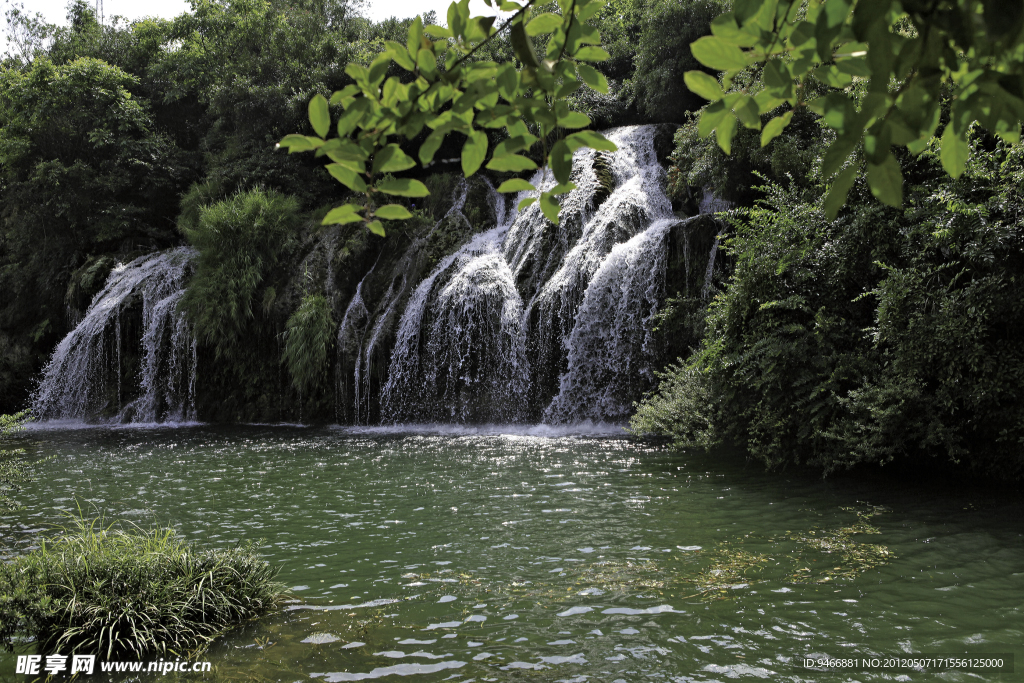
(491, 554)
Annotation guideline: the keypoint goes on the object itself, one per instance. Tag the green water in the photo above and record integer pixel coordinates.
(483, 556)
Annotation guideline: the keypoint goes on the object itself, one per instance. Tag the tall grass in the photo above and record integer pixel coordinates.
(13, 471)
(96, 589)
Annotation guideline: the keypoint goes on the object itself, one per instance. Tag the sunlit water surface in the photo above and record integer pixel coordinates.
(534, 554)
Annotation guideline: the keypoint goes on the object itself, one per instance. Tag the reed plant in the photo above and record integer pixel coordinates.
(119, 593)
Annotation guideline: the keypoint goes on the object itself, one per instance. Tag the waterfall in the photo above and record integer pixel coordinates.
(709, 273)
(636, 200)
(350, 344)
(455, 345)
(530, 314)
(611, 352)
(87, 374)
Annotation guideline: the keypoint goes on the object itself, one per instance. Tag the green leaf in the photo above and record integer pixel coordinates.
(426, 61)
(342, 149)
(724, 132)
(831, 75)
(715, 53)
(352, 116)
(513, 144)
(376, 228)
(590, 53)
(511, 163)
(836, 197)
(574, 119)
(358, 72)
(766, 102)
(543, 23)
(776, 75)
(319, 115)
(560, 160)
(704, 85)
(392, 212)
(300, 143)
(710, 118)
(724, 26)
(886, 181)
(347, 213)
(592, 139)
(403, 187)
(748, 112)
(391, 159)
(340, 95)
(549, 206)
(473, 152)
(508, 82)
(592, 77)
(522, 46)
(525, 203)
(347, 177)
(437, 31)
(414, 38)
(401, 55)
(837, 154)
(775, 127)
(430, 146)
(954, 152)
(458, 15)
(562, 188)
(379, 68)
(515, 185)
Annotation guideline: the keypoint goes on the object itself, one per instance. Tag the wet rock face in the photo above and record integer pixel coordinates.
(664, 141)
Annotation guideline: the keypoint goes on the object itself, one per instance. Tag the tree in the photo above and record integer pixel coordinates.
(895, 72)
(27, 32)
(450, 91)
(663, 54)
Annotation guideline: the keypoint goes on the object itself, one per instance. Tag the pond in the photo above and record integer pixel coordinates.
(544, 555)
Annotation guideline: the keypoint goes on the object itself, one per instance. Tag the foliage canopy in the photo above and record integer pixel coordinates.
(893, 72)
(452, 92)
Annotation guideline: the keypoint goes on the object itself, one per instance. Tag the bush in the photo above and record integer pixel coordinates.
(240, 241)
(308, 339)
(94, 590)
(886, 335)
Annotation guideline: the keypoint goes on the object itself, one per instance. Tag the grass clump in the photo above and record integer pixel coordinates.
(13, 471)
(127, 593)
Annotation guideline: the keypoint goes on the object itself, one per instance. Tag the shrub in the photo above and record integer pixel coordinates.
(886, 335)
(240, 241)
(96, 590)
(308, 338)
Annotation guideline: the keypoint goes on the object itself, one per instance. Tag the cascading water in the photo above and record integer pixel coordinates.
(459, 351)
(527, 320)
(86, 375)
(365, 328)
(582, 341)
(611, 352)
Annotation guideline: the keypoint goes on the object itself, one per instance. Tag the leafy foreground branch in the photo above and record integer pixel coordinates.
(897, 73)
(117, 593)
(464, 97)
